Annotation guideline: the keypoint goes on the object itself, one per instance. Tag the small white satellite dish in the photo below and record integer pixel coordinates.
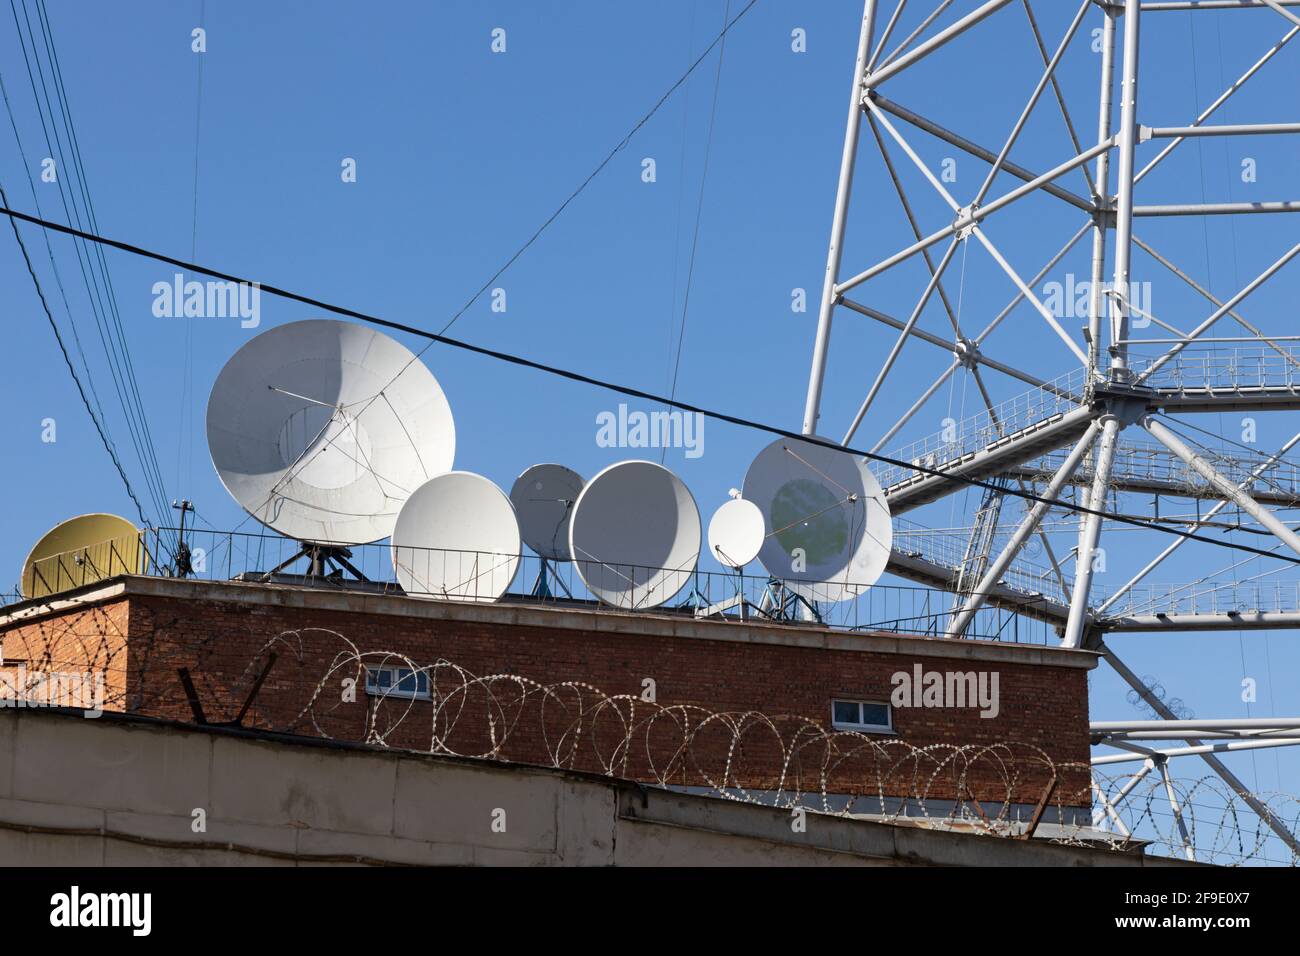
(736, 532)
(456, 538)
(543, 497)
(635, 535)
(321, 429)
(828, 525)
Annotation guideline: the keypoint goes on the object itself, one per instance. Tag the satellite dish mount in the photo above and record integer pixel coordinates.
(320, 557)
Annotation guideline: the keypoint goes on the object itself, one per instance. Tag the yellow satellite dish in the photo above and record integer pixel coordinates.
(81, 551)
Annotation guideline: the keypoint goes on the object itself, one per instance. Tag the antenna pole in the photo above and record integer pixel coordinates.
(812, 409)
(183, 566)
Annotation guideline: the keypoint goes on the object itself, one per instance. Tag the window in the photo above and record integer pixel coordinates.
(398, 682)
(861, 715)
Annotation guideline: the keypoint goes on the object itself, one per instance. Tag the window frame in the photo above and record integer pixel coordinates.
(858, 726)
(397, 674)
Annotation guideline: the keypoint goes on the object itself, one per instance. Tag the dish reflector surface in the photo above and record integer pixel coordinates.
(829, 531)
(456, 538)
(80, 551)
(736, 533)
(322, 429)
(635, 535)
(543, 497)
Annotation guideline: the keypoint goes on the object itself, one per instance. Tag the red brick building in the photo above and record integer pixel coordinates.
(657, 697)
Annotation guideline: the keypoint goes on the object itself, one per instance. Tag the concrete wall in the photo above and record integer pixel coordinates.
(123, 790)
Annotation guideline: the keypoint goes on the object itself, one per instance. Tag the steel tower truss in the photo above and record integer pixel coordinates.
(1066, 433)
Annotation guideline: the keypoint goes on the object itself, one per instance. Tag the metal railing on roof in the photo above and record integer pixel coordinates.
(719, 595)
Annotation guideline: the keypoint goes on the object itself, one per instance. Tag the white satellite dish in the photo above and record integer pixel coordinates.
(456, 538)
(322, 429)
(635, 535)
(736, 533)
(828, 526)
(543, 497)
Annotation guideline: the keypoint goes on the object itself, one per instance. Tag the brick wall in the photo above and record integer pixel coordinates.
(90, 640)
(1043, 706)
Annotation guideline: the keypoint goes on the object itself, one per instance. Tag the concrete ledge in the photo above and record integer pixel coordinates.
(122, 790)
(606, 621)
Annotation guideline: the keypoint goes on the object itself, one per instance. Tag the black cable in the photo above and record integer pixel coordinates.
(49, 250)
(61, 94)
(114, 346)
(1228, 441)
(596, 172)
(699, 215)
(624, 389)
(71, 368)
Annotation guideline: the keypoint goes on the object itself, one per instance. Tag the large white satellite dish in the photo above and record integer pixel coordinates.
(543, 497)
(635, 535)
(736, 533)
(322, 429)
(456, 538)
(828, 526)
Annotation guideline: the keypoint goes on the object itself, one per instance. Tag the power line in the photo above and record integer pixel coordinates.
(596, 172)
(49, 250)
(149, 463)
(699, 215)
(108, 446)
(625, 389)
(93, 266)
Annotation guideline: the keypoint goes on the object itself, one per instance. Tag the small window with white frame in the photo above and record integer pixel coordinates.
(862, 715)
(393, 681)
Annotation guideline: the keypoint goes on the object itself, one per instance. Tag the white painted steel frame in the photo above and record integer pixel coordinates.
(1109, 215)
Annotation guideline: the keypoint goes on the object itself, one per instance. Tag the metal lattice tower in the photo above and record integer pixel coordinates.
(1072, 434)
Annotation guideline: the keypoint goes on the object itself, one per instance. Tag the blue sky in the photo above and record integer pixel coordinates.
(461, 153)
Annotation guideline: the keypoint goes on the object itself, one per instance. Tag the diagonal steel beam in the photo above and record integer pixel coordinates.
(916, 407)
(1283, 11)
(1220, 312)
(1225, 487)
(939, 39)
(1128, 788)
(1056, 86)
(887, 33)
(1058, 430)
(1042, 537)
(1160, 707)
(921, 28)
(1099, 815)
(1018, 538)
(1049, 75)
(950, 346)
(1217, 303)
(907, 210)
(1219, 101)
(975, 149)
(974, 353)
(967, 218)
(908, 327)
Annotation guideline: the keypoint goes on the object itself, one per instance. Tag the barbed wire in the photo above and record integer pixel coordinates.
(319, 687)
